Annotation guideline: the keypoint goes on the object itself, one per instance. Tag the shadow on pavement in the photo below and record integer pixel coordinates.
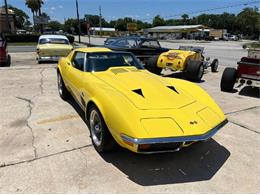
(180, 75)
(198, 162)
(250, 92)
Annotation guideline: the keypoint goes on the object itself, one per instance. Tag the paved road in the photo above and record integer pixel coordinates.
(45, 145)
(228, 53)
(18, 49)
(53, 152)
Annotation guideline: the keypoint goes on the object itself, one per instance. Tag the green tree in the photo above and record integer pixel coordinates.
(55, 25)
(34, 6)
(22, 19)
(248, 22)
(158, 21)
(185, 17)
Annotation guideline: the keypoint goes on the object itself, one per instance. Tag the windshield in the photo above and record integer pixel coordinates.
(54, 41)
(104, 60)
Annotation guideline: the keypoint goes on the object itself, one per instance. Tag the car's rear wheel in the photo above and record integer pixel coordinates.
(8, 62)
(194, 70)
(214, 65)
(63, 92)
(228, 79)
(99, 133)
(151, 65)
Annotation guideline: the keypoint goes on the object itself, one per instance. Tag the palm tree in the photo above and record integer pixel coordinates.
(34, 6)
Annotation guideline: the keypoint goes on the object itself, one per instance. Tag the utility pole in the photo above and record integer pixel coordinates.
(77, 8)
(40, 14)
(100, 22)
(7, 17)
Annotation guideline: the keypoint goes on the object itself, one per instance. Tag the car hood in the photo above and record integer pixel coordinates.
(145, 90)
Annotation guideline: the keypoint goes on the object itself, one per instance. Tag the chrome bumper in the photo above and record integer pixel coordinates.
(49, 58)
(182, 139)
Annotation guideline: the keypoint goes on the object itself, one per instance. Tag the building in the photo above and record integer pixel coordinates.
(104, 31)
(177, 32)
(3, 23)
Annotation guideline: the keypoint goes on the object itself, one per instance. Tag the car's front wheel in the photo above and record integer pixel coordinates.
(214, 65)
(63, 92)
(100, 135)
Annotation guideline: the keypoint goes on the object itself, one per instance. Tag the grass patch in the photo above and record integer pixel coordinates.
(252, 45)
(23, 44)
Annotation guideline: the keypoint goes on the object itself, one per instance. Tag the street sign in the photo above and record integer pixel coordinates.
(40, 20)
(132, 26)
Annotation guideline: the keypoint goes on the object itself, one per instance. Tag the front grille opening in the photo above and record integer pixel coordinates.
(159, 147)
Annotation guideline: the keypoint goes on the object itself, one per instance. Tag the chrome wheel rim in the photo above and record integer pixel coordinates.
(96, 128)
(59, 84)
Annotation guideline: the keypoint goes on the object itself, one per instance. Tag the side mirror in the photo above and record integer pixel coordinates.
(68, 63)
(208, 59)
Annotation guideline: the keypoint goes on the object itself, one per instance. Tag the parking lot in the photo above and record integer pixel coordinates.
(45, 145)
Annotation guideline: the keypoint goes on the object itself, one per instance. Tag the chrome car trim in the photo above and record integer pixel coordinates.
(205, 136)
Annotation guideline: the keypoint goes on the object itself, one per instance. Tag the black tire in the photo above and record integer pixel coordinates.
(214, 65)
(151, 65)
(63, 92)
(8, 63)
(228, 79)
(39, 62)
(101, 138)
(194, 70)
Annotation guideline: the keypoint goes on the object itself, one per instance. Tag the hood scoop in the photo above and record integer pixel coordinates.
(139, 92)
(118, 70)
(173, 88)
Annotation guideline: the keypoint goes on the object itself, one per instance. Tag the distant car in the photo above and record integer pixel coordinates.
(247, 72)
(188, 59)
(52, 47)
(5, 59)
(126, 104)
(142, 48)
(110, 40)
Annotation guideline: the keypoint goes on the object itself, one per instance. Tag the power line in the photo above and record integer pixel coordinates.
(211, 9)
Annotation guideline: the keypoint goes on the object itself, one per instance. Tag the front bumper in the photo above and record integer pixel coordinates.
(173, 143)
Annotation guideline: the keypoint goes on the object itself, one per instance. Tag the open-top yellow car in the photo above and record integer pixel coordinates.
(126, 104)
(187, 59)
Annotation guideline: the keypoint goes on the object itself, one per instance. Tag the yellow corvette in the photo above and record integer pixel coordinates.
(128, 105)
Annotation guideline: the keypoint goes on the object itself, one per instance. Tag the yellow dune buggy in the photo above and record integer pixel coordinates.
(188, 59)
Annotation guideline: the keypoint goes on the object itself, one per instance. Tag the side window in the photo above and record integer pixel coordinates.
(78, 61)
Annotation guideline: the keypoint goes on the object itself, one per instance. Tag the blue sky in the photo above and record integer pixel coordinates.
(138, 9)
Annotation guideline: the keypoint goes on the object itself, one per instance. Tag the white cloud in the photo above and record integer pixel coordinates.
(60, 7)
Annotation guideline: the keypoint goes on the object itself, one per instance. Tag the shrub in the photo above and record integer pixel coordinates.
(14, 38)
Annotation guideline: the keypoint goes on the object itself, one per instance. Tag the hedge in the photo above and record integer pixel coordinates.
(13, 38)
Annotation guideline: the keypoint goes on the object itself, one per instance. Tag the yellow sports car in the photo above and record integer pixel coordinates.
(52, 47)
(188, 59)
(126, 104)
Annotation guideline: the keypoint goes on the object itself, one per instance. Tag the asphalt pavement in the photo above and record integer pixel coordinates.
(45, 145)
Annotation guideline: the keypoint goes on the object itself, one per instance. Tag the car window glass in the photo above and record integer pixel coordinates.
(151, 43)
(103, 61)
(78, 61)
(54, 41)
